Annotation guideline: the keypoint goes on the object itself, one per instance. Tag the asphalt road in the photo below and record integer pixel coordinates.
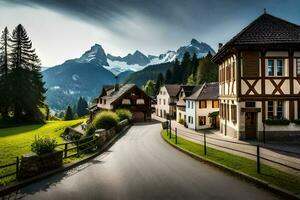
(142, 166)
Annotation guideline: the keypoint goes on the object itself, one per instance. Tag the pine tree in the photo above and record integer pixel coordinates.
(27, 88)
(177, 73)
(168, 77)
(149, 88)
(159, 82)
(187, 66)
(4, 70)
(82, 106)
(69, 114)
(194, 64)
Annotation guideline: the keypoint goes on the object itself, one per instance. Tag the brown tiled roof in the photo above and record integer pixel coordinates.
(114, 95)
(265, 30)
(207, 91)
(173, 89)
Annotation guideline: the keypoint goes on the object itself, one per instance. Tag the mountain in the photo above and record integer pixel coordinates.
(199, 48)
(85, 76)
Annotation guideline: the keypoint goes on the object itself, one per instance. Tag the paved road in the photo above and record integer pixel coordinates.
(142, 166)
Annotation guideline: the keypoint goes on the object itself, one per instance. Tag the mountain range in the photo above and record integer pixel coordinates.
(85, 76)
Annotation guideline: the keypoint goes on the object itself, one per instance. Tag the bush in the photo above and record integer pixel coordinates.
(297, 121)
(43, 145)
(105, 120)
(124, 114)
(90, 130)
(182, 121)
(278, 121)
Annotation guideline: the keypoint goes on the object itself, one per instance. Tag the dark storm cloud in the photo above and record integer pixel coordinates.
(209, 20)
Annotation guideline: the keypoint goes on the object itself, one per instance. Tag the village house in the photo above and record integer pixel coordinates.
(167, 98)
(127, 96)
(259, 77)
(202, 106)
(185, 91)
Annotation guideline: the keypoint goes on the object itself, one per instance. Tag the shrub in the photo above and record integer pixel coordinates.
(124, 114)
(90, 130)
(43, 145)
(297, 121)
(278, 121)
(105, 120)
(181, 121)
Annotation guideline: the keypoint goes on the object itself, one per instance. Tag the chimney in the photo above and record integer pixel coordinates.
(117, 84)
(220, 45)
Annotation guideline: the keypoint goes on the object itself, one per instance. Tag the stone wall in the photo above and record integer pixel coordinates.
(33, 164)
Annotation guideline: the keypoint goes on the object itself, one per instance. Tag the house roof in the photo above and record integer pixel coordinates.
(173, 89)
(113, 95)
(206, 91)
(265, 30)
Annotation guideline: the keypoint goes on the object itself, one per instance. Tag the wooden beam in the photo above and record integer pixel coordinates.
(238, 74)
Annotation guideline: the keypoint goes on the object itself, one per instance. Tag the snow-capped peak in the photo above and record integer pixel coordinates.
(96, 54)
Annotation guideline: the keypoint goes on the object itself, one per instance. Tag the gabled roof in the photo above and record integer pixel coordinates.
(265, 30)
(113, 95)
(173, 89)
(206, 91)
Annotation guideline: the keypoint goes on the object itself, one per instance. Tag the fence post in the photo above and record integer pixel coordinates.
(204, 143)
(175, 135)
(257, 159)
(66, 150)
(17, 167)
(77, 145)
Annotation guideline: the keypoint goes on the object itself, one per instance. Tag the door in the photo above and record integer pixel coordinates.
(138, 116)
(251, 125)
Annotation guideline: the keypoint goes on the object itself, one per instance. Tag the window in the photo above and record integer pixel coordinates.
(215, 104)
(100, 101)
(233, 113)
(188, 104)
(159, 101)
(202, 120)
(192, 105)
(140, 101)
(270, 109)
(164, 102)
(279, 67)
(104, 101)
(298, 67)
(126, 102)
(271, 67)
(202, 104)
(279, 109)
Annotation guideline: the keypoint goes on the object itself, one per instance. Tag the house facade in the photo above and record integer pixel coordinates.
(259, 78)
(185, 91)
(200, 106)
(127, 96)
(167, 98)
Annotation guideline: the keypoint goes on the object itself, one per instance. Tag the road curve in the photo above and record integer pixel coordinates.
(142, 166)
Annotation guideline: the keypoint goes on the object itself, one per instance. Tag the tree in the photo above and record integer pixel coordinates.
(177, 73)
(149, 88)
(82, 107)
(187, 66)
(168, 77)
(159, 82)
(207, 70)
(69, 114)
(26, 85)
(4, 69)
(194, 64)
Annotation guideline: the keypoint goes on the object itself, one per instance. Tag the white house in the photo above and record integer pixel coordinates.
(201, 104)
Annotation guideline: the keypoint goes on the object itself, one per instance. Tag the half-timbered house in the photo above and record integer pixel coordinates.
(127, 96)
(259, 78)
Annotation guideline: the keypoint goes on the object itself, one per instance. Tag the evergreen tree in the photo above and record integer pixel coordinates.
(159, 82)
(82, 107)
(194, 64)
(187, 66)
(27, 88)
(69, 114)
(4, 70)
(207, 70)
(168, 77)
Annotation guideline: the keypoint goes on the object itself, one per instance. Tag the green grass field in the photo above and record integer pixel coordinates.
(268, 174)
(16, 141)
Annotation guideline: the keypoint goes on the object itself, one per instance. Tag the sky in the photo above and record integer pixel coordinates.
(65, 29)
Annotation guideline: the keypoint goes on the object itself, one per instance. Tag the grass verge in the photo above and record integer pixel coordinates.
(247, 166)
(16, 141)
